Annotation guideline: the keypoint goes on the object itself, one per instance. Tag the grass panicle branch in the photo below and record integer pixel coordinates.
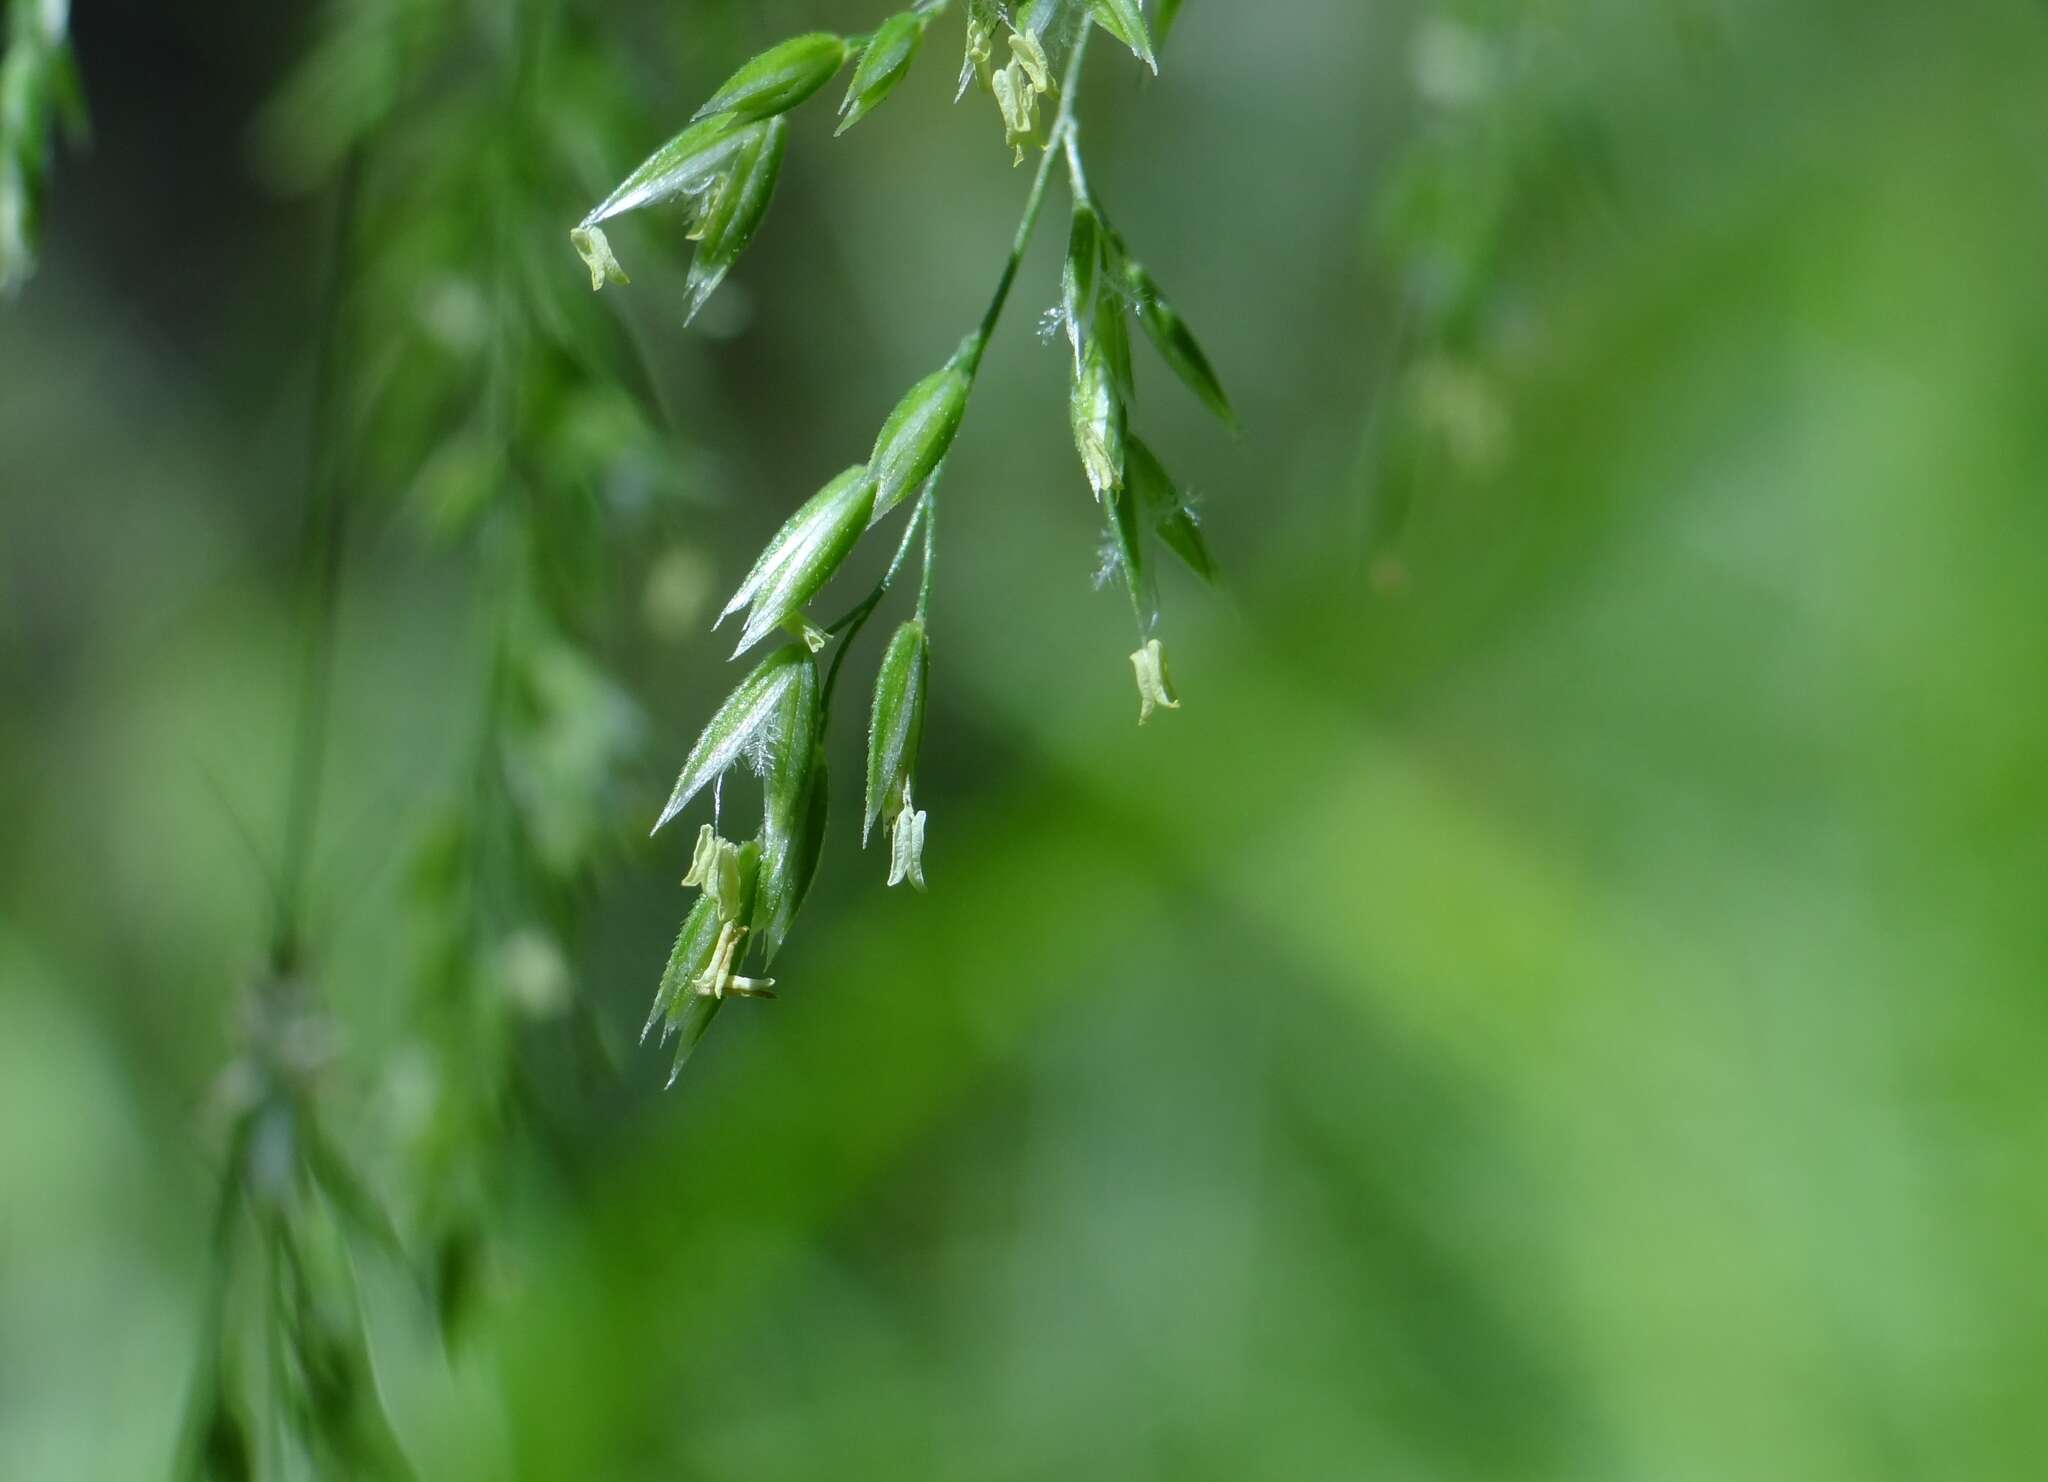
(1060, 141)
(708, 167)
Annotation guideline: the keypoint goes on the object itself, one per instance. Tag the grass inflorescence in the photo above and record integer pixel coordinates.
(722, 170)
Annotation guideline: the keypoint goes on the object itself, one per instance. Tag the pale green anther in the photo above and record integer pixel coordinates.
(1017, 103)
(711, 982)
(1155, 685)
(906, 846)
(704, 857)
(1031, 57)
(701, 970)
(809, 633)
(725, 885)
(596, 252)
(719, 979)
(715, 868)
(981, 46)
(1018, 86)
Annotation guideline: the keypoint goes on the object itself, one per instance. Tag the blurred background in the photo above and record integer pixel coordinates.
(1562, 998)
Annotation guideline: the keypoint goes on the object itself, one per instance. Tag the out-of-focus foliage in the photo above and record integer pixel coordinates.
(513, 419)
(1562, 1002)
(39, 92)
(464, 388)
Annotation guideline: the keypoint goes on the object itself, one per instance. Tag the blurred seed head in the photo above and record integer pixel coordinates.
(533, 973)
(679, 590)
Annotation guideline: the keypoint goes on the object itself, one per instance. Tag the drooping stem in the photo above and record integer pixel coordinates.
(1077, 177)
(847, 627)
(924, 585)
(1058, 141)
(1077, 182)
(1062, 124)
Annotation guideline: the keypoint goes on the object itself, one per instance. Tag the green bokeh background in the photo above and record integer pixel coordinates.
(1563, 998)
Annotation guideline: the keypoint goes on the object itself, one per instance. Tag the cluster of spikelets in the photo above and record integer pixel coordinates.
(723, 169)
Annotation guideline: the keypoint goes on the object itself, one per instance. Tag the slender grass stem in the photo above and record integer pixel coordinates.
(326, 539)
(1055, 144)
(924, 585)
(1058, 141)
(1077, 176)
(848, 626)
